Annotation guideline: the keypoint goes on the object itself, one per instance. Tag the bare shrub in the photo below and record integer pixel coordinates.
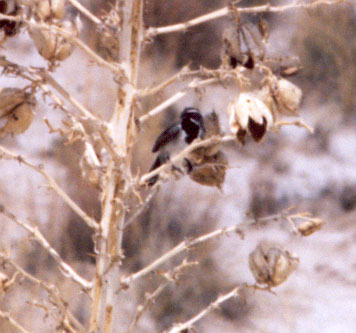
(84, 262)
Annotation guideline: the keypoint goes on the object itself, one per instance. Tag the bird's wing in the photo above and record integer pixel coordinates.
(165, 137)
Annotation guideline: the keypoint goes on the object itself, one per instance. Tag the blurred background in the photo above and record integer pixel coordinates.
(312, 172)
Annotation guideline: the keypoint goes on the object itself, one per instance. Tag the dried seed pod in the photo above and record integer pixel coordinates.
(58, 8)
(212, 129)
(47, 9)
(309, 227)
(271, 264)
(7, 7)
(9, 99)
(4, 279)
(249, 114)
(288, 97)
(18, 120)
(210, 171)
(43, 9)
(10, 7)
(64, 51)
(45, 42)
(51, 46)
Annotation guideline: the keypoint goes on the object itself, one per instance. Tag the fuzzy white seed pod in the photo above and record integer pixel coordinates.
(288, 97)
(248, 113)
(271, 265)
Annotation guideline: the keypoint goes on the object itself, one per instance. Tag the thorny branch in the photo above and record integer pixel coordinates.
(6, 316)
(170, 277)
(114, 68)
(188, 244)
(111, 226)
(68, 318)
(185, 152)
(5, 153)
(85, 12)
(176, 97)
(66, 269)
(41, 77)
(154, 31)
(215, 305)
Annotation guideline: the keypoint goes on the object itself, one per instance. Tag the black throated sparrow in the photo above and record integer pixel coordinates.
(189, 128)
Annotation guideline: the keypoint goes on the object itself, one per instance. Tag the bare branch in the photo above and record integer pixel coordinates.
(155, 89)
(136, 39)
(215, 305)
(170, 277)
(140, 208)
(53, 184)
(66, 269)
(6, 316)
(41, 77)
(176, 97)
(115, 68)
(85, 12)
(188, 244)
(70, 98)
(68, 318)
(154, 31)
(185, 152)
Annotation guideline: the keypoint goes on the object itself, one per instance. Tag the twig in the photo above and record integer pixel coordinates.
(183, 154)
(189, 324)
(115, 68)
(55, 84)
(176, 97)
(187, 244)
(67, 270)
(13, 322)
(170, 277)
(85, 12)
(41, 77)
(155, 89)
(52, 291)
(140, 208)
(149, 299)
(154, 31)
(53, 184)
(298, 122)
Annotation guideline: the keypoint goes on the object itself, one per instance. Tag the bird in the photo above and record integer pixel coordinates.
(189, 127)
(191, 124)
